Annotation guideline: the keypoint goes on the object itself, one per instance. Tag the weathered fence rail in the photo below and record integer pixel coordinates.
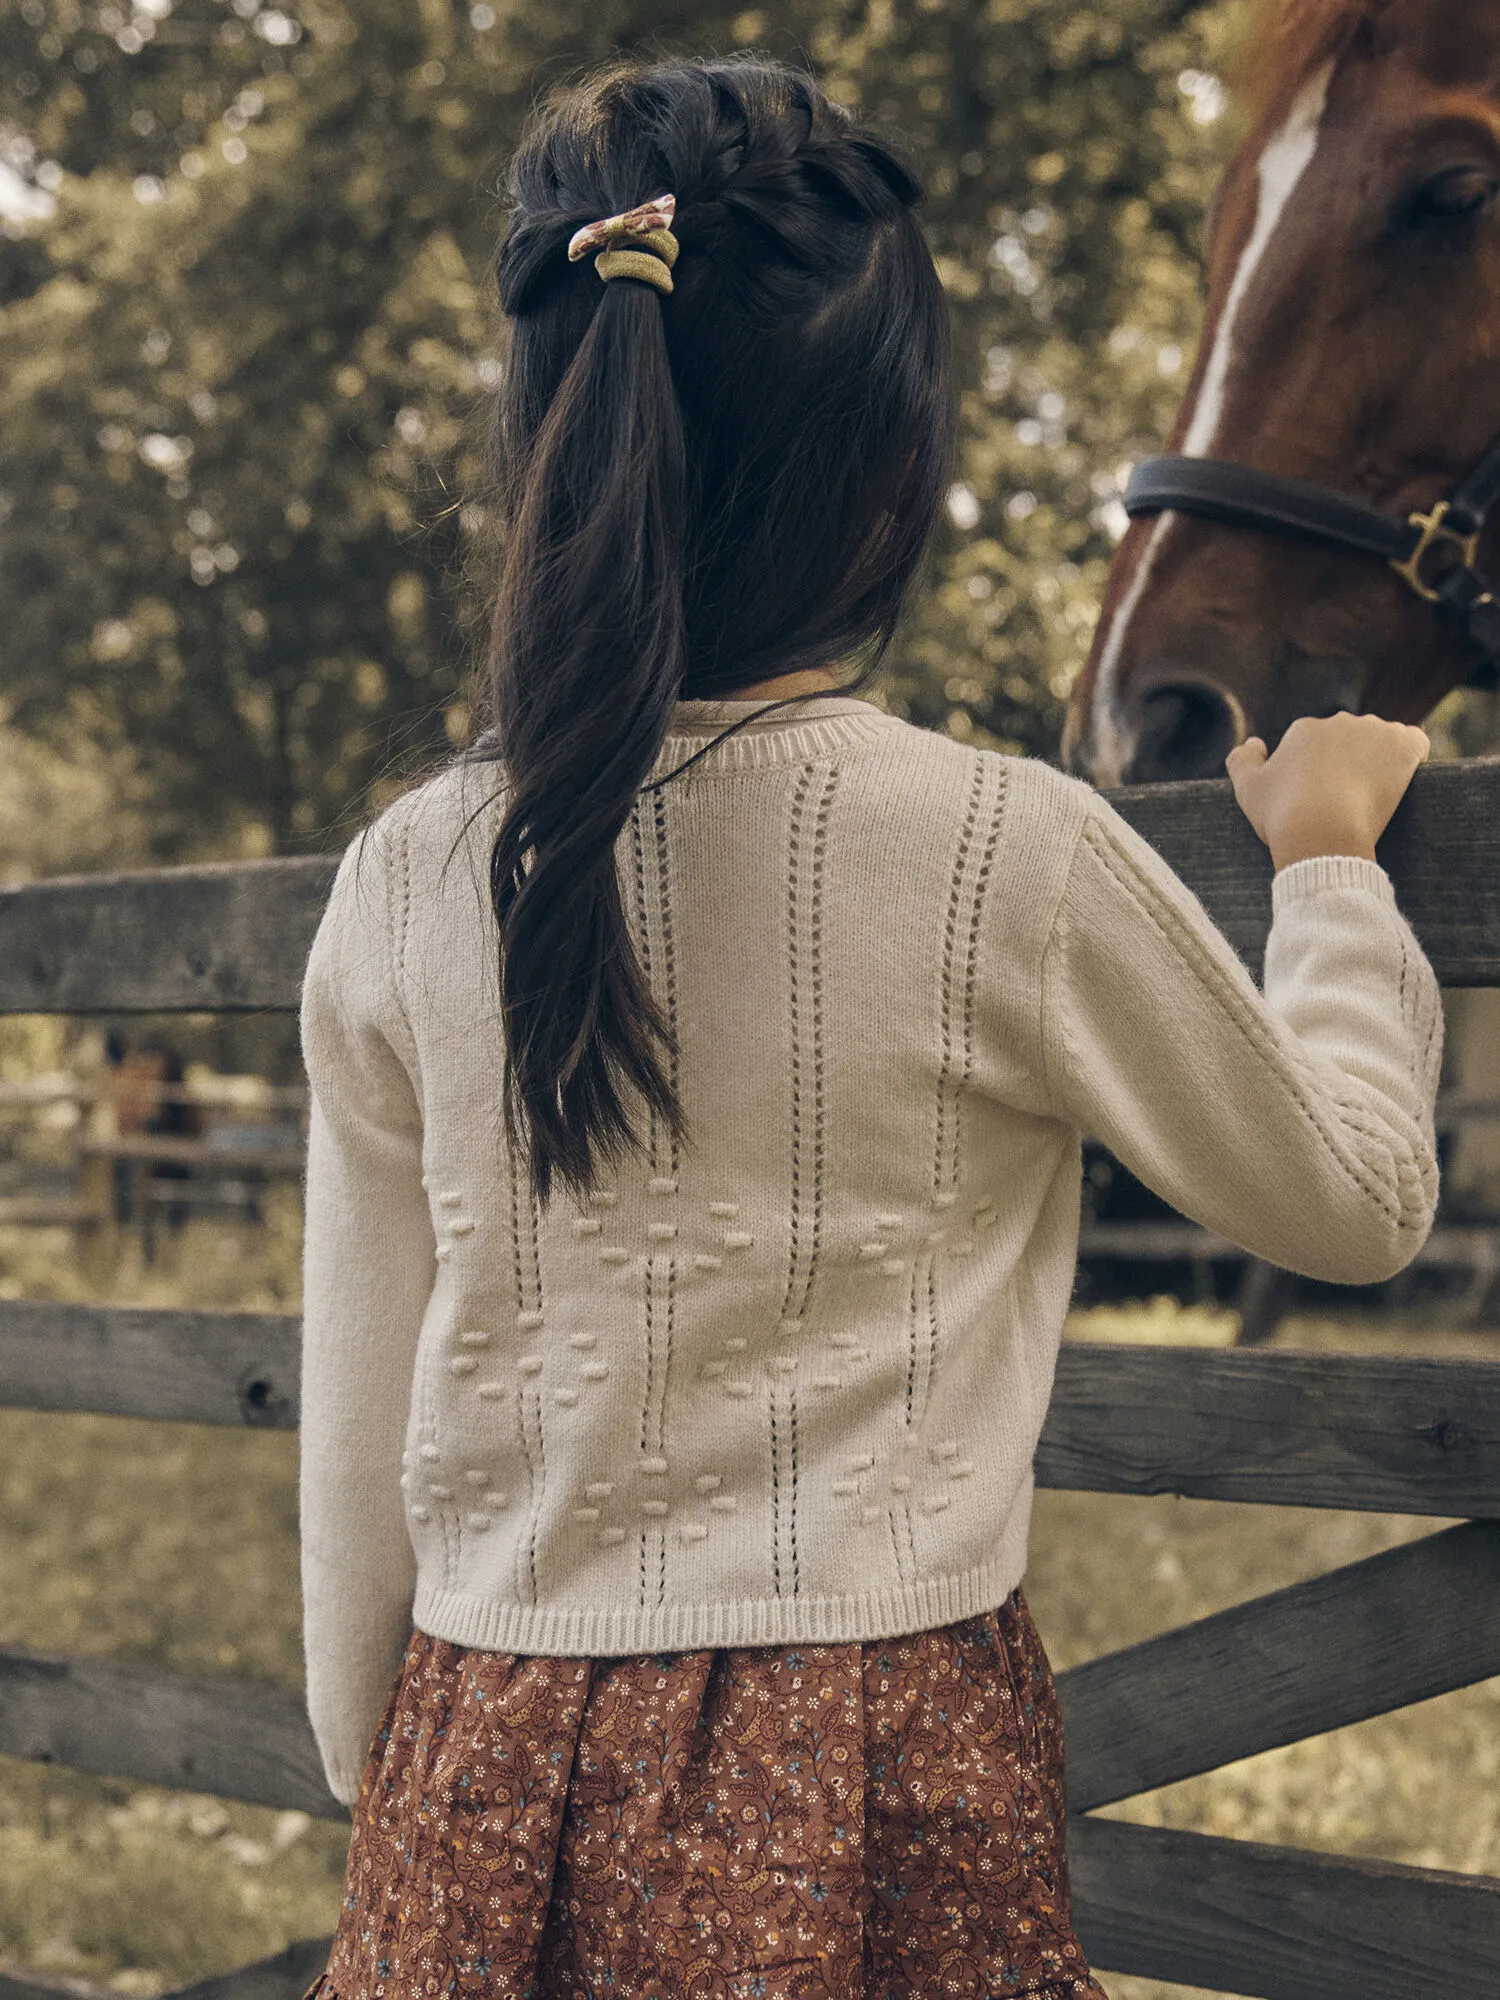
(1396, 1434)
(233, 937)
(1392, 1434)
(230, 938)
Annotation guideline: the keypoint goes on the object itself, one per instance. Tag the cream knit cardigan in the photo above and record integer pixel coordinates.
(786, 1383)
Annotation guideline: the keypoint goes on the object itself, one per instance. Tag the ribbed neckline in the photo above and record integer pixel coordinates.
(820, 724)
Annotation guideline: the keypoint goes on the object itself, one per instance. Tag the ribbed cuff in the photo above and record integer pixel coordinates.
(345, 1788)
(1329, 871)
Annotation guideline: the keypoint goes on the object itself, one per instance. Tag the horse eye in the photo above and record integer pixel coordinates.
(1453, 196)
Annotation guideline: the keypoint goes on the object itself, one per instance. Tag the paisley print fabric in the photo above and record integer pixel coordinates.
(875, 1821)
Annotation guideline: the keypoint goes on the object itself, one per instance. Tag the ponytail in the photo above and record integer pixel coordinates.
(698, 488)
(588, 655)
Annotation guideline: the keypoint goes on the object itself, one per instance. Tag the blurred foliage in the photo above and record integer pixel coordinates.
(245, 308)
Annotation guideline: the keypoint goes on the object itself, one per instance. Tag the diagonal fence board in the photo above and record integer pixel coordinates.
(1384, 1434)
(14, 1985)
(1373, 1636)
(1275, 1922)
(196, 1734)
(1279, 1923)
(235, 935)
(285, 1975)
(144, 1361)
(1377, 1434)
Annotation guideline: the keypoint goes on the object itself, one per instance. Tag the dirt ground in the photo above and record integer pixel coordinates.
(177, 1546)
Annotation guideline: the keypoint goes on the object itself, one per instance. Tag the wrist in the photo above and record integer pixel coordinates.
(1284, 856)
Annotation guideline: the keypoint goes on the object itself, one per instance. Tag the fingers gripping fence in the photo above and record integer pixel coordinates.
(1393, 1435)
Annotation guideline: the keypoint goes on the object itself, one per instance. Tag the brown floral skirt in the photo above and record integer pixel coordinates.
(875, 1821)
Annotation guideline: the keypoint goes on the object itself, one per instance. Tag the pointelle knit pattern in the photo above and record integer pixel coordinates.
(786, 1382)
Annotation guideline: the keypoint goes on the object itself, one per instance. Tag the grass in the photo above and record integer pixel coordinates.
(173, 1545)
(177, 1546)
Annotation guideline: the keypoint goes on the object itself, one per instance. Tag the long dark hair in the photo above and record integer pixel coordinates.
(696, 492)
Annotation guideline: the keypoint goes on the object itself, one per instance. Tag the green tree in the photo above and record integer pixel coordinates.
(249, 354)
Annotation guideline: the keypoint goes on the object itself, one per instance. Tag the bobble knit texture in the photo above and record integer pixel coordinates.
(788, 1385)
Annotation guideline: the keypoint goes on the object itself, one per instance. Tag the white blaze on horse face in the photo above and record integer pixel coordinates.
(1283, 163)
(1111, 745)
(1286, 158)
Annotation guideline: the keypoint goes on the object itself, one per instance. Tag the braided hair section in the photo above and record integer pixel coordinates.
(702, 485)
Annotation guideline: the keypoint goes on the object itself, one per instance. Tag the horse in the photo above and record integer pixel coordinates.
(1320, 536)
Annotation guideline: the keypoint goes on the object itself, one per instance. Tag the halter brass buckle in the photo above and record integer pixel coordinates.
(1434, 529)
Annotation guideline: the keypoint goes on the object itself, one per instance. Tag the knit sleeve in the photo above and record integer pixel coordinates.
(368, 1267)
(1299, 1122)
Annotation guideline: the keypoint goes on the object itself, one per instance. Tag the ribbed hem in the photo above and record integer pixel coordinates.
(787, 736)
(604, 1631)
(1329, 871)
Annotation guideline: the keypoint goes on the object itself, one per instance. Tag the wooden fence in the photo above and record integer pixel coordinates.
(1408, 1436)
(1264, 1294)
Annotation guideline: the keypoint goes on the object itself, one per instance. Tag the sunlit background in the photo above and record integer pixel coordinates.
(248, 335)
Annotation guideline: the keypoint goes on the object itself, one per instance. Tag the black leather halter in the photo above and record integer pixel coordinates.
(1436, 553)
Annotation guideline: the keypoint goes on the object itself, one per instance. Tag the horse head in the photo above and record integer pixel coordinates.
(1351, 342)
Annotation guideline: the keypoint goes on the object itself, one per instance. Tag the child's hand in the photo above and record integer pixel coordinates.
(1331, 786)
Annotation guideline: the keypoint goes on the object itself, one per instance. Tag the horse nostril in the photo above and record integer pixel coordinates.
(1186, 732)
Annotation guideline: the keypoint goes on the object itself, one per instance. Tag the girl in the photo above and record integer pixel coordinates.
(699, 1066)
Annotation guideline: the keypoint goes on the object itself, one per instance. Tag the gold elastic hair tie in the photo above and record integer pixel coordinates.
(637, 244)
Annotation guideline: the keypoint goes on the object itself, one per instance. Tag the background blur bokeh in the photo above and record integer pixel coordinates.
(249, 343)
